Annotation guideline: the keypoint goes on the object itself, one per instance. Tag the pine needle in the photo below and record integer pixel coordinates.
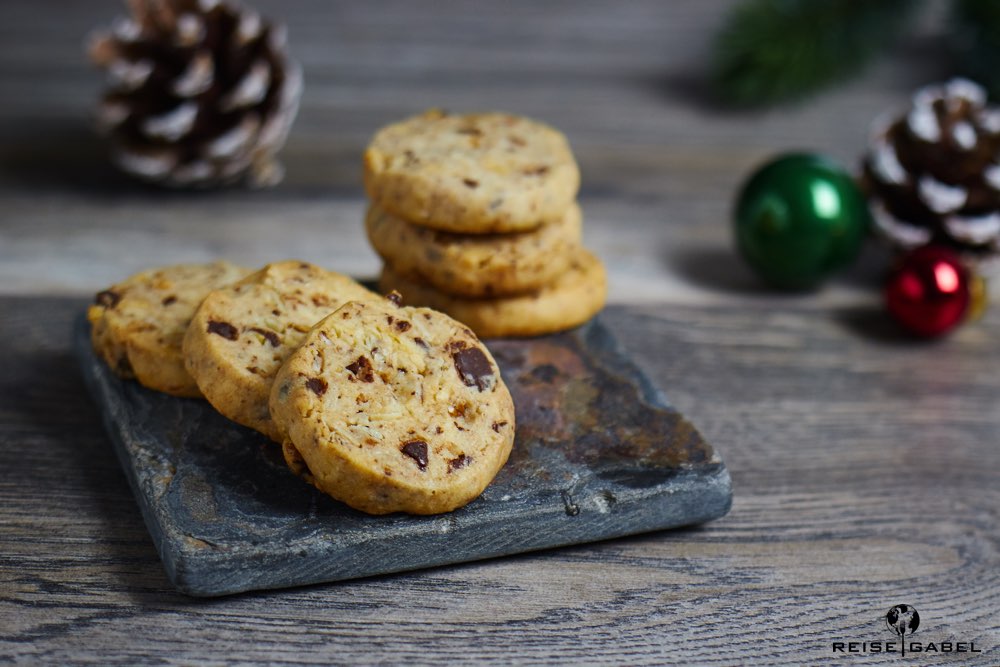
(773, 51)
(976, 42)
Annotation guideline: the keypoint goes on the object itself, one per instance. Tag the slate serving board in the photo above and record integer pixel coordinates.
(598, 453)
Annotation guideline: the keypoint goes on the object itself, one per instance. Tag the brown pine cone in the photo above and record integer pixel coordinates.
(932, 175)
(200, 92)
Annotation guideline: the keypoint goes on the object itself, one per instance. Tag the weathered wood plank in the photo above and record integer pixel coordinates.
(864, 471)
(864, 467)
(621, 79)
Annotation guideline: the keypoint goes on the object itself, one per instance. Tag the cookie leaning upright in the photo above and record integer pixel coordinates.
(391, 408)
(241, 334)
(137, 325)
(471, 173)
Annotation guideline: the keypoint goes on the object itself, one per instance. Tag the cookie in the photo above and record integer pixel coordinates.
(476, 265)
(472, 173)
(137, 326)
(394, 409)
(572, 299)
(241, 334)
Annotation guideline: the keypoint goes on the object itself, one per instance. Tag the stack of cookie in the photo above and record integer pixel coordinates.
(475, 215)
(384, 407)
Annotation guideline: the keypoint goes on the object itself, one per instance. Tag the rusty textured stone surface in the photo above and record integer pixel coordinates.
(598, 454)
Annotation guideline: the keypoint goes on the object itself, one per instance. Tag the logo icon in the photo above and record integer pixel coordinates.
(903, 620)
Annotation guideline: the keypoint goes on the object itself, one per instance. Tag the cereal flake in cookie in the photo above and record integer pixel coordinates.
(476, 265)
(571, 300)
(394, 409)
(137, 326)
(472, 173)
(241, 334)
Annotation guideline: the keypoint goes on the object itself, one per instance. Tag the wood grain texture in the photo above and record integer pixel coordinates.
(864, 471)
(865, 468)
(623, 80)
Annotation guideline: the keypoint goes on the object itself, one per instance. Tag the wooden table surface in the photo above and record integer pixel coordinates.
(865, 467)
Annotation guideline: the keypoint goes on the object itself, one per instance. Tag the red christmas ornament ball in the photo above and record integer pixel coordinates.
(929, 291)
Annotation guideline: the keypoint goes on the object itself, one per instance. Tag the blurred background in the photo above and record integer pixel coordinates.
(626, 81)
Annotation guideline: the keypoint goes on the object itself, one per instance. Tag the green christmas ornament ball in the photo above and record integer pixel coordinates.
(798, 219)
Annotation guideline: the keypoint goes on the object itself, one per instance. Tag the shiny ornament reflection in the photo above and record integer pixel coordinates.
(798, 219)
(930, 292)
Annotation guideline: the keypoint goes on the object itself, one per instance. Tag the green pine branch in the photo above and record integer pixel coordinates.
(772, 51)
(976, 42)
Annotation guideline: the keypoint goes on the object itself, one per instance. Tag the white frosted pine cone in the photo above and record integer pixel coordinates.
(933, 173)
(200, 93)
